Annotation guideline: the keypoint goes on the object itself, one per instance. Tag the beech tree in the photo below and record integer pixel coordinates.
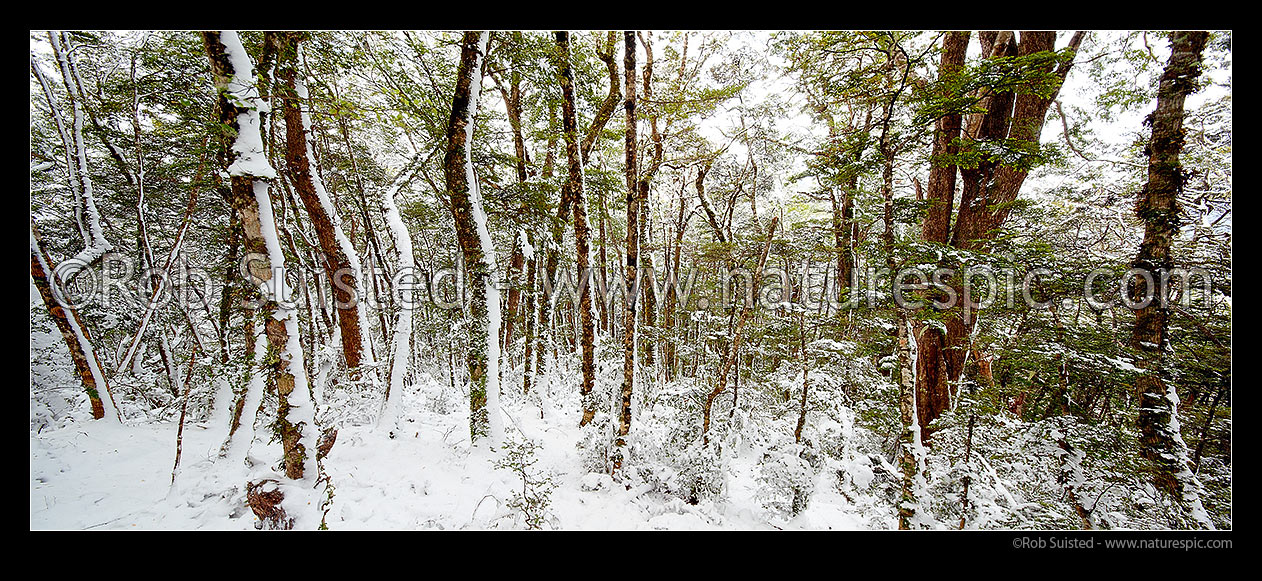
(1013, 118)
(1158, 208)
(386, 239)
(283, 371)
(341, 261)
(475, 245)
(582, 233)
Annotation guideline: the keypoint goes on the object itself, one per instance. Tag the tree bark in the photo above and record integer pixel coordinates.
(73, 332)
(474, 239)
(633, 240)
(238, 108)
(582, 233)
(1158, 208)
(336, 248)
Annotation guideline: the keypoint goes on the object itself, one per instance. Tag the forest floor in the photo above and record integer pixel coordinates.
(96, 475)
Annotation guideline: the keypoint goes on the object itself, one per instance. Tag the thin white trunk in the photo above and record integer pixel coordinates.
(68, 145)
(495, 422)
(403, 325)
(98, 245)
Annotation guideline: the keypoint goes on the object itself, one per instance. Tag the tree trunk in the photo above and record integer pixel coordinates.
(401, 338)
(565, 208)
(603, 303)
(73, 332)
(1158, 207)
(475, 245)
(633, 240)
(582, 233)
(341, 262)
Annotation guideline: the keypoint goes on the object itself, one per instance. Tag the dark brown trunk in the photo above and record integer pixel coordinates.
(1158, 208)
(371, 234)
(843, 234)
(633, 243)
(335, 261)
(1069, 478)
(582, 235)
(462, 207)
(647, 275)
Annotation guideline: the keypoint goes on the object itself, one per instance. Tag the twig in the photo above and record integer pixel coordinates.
(179, 434)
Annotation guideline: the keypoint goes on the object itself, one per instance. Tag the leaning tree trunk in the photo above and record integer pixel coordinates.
(341, 261)
(1158, 207)
(475, 245)
(240, 109)
(73, 332)
(729, 358)
(96, 246)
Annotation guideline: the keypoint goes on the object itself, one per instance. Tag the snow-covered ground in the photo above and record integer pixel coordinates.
(93, 475)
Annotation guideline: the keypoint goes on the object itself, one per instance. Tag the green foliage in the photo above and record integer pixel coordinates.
(531, 502)
(380, 104)
(961, 92)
